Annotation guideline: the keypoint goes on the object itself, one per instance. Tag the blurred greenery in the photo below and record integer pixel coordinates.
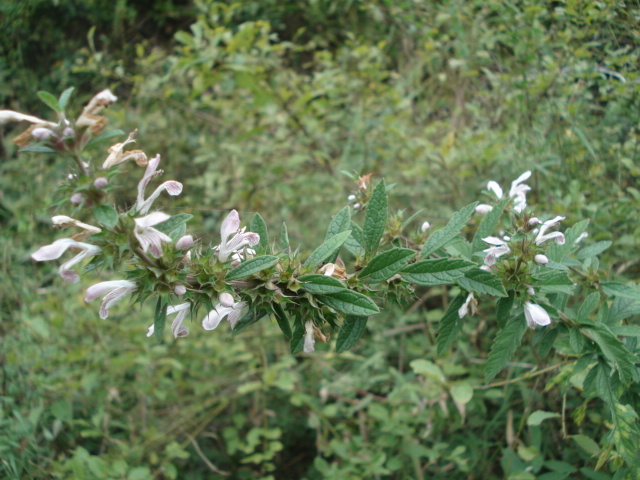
(262, 105)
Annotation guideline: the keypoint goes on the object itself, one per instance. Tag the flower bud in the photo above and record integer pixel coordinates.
(226, 299)
(100, 182)
(534, 221)
(77, 198)
(356, 206)
(184, 242)
(180, 290)
(483, 208)
(41, 134)
(425, 226)
(351, 198)
(531, 291)
(541, 259)
(68, 132)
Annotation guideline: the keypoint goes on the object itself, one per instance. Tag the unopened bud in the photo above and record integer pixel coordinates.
(68, 132)
(531, 291)
(483, 208)
(356, 206)
(180, 290)
(541, 259)
(226, 299)
(100, 182)
(425, 226)
(77, 198)
(41, 134)
(184, 242)
(351, 198)
(534, 221)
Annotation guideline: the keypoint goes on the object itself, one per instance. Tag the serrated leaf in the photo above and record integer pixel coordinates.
(252, 266)
(296, 344)
(621, 309)
(450, 324)
(614, 351)
(488, 224)
(340, 223)
(50, 101)
(259, 226)
(350, 302)
(64, 98)
(350, 332)
(375, 218)
(436, 271)
(588, 306)
(106, 215)
(553, 281)
(504, 346)
(481, 281)
(593, 250)
(284, 238)
(317, 284)
(386, 265)
(328, 248)
(250, 318)
(539, 416)
(355, 241)
(281, 318)
(37, 149)
(503, 308)
(443, 236)
(160, 318)
(173, 222)
(104, 137)
(615, 289)
(626, 331)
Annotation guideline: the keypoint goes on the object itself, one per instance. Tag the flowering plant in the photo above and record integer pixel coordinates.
(528, 271)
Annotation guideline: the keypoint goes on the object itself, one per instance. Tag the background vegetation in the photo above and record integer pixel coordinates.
(262, 106)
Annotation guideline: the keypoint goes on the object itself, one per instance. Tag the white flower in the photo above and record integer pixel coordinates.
(113, 291)
(177, 327)
(226, 308)
(117, 155)
(89, 117)
(309, 340)
(62, 221)
(517, 191)
(470, 303)
(543, 236)
(11, 116)
(541, 259)
(151, 239)
(240, 239)
(57, 248)
(536, 315)
(425, 226)
(351, 198)
(499, 249)
(172, 187)
(581, 237)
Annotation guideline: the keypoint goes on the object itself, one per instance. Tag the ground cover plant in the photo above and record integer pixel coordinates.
(253, 111)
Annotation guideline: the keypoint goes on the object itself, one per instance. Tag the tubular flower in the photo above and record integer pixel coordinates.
(90, 118)
(240, 239)
(543, 236)
(172, 187)
(112, 291)
(499, 249)
(469, 304)
(536, 315)
(151, 239)
(309, 339)
(62, 221)
(40, 130)
(117, 155)
(177, 327)
(517, 191)
(226, 308)
(57, 248)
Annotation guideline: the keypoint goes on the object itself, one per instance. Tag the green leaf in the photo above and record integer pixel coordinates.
(281, 318)
(450, 324)
(539, 416)
(588, 306)
(355, 241)
(504, 346)
(350, 332)
(328, 248)
(615, 289)
(621, 309)
(428, 369)
(104, 137)
(593, 250)
(586, 443)
(160, 318)
(375, 218)
(106, 215)
(443, 236)
(340, 223)
(626, 330)
(284, 238)
(50, 101)
(259, 226)
(350, 302)
(252, 266)
(296, 344)
(386, 265)
(553, 281)
(37, 149)
(462, 393)
(320, 284)
(481, 281)
(170, 224)
(64, 98)
(250, 318)
(503, 308)
(436, 271)
(614, 351)
(488, 225)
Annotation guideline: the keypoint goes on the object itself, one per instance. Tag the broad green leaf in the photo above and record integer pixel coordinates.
(354, 243)
(320, 284)
(553, 281)
(104, 137)
(488, 225)
(106, 215)
(588, 306)
(350, 332)
(375, 218)
(615, 289)
(450, 324)
(621, 309)
(481, 281)
(249, 267)
(281, 318)
(593, 250)
(443, 236)
(250, 318)
(340, 223)
(64, 98)
(50, 101)
(386, 265)
(258, 225)
(503, 308)
(284, 238)
(436, 271)
(586, 443)
(626, 330)
(350, 302)
(160, 317)
(539, 416)
(37, 149)
(504, 346)
(296, 344)
(614, 351)
(328, 248)
(174, 222)
(462, 393)
(428, 369)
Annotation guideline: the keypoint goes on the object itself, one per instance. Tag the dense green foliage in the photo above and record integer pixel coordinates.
(260, 106)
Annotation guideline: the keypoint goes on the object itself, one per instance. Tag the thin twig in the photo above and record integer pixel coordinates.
(204, 458)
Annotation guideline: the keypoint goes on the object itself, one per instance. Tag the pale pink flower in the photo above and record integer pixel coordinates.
(62, 221)
(112, 291)
(536, 315)
(469, 304)
(57, 248)
(228, 308)
(500, 248)
(517, 191)
(185, 242)
(541, 259)
(172, 187)
(309, 338)
(151, 239)
(543, 236)
(178, 329)
(240, 239)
